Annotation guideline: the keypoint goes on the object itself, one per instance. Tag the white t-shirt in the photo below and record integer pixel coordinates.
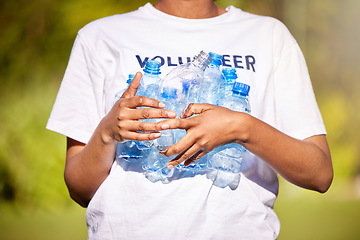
(266, 57)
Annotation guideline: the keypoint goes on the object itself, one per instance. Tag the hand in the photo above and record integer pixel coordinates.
(122, 122)
(212, 127)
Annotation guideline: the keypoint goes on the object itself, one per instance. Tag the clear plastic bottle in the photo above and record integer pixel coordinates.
(150, 82)
(213, 86)
(224, 162)
(121, 91)
(230, 77)
(183, 81)
(149, 87)
(128, 150)
(169, 96)
(153, 163)
(155, 168)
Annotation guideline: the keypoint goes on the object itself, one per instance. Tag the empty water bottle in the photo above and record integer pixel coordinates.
(121, 91)
(225, 161)
(183, 81)
(150, 81)
(128, 150)
(230, 77)
(149, 87)
(155, 168)
(169, 97)
(213, 85)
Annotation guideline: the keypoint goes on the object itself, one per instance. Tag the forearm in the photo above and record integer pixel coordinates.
(88, 166)
(306, 163)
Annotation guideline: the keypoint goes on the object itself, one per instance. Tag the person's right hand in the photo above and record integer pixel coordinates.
(122, 122)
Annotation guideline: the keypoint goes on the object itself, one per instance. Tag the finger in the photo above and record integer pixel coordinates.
(140, 126)
(180, 147)
(178, 123)
(196, 108)
(146, 113)
(189, 154)
(135, 136)
(141, 101)
(194, 158)
(133, 86)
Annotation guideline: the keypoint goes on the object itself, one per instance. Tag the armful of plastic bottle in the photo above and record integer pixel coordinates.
(88, 165)
(305, 163)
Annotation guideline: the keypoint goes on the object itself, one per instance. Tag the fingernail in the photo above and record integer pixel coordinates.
(163, 152)
(165, 126)
(161, 105)
(157, 135)
(171, 114)
(170, 166)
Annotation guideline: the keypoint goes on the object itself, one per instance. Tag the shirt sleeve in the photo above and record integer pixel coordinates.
(297, 111)
(78, 107)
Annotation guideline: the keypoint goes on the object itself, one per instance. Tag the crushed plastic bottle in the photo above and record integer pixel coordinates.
(183, 82)
(230, 77)
(213, 86)
(127, 150)
(224, 162)
(149, 87)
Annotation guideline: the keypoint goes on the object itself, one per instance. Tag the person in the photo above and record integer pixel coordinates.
(284, 133)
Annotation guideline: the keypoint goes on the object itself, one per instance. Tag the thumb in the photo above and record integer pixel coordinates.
(133, 86)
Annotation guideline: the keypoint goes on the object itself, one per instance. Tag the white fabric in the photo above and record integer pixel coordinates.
(127, 205)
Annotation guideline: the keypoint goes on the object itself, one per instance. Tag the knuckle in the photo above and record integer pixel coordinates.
(163, 113)
(141, 126)
(145, 113)
(186, 156)
(177, 123)
(149, 137)
(119, 103)
(138, 138)
(176, 150)
(154, 103)
(203, 146)
(139, 100)
(177, 161)
(121, 116)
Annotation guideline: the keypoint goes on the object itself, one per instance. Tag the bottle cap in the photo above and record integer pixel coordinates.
(229, 73)
(241, 88)
(152, 67)
(131, 77)
(215, 58)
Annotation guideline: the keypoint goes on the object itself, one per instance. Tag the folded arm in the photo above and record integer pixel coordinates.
(88, 165)
(306, 163)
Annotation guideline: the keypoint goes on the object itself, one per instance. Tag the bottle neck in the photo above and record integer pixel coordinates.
(239, 94)
(214, 65)
(202, 60)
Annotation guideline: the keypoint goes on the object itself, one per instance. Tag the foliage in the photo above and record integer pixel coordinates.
(36, 42)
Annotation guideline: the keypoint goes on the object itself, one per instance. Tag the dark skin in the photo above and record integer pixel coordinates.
(306, 163)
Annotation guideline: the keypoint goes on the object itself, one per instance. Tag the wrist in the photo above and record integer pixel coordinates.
(104, 134)
(242, 125)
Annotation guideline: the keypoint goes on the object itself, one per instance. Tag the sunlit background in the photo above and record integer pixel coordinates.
(35, 43)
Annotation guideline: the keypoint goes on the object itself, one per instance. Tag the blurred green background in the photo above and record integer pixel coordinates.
(35, 44)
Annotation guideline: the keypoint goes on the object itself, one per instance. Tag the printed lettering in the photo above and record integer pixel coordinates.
(181, 60)
(142, 63)
(225, 59)
(169, 62)
(238, 61)
(250, 62)
(162, 60)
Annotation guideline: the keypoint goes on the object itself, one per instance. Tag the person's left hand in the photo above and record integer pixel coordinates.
(212, 127)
